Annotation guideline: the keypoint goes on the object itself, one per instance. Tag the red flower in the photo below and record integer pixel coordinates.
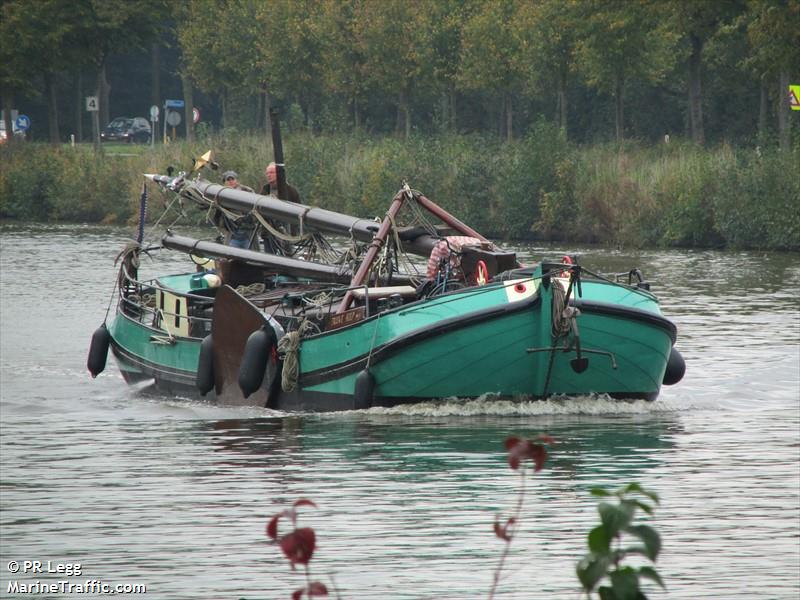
(314, 589)
(298, 546)
(520, 449)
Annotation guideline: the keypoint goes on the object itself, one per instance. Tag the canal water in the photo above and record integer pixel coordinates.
(143, 489)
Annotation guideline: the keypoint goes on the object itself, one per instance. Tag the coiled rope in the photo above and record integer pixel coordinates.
(563, 315)
(288, 348)
(251, 290)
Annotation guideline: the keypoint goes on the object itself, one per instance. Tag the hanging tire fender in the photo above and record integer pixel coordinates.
(676, 368)
(364, 390)
(98, 350)
(204, 379)
(254, 360)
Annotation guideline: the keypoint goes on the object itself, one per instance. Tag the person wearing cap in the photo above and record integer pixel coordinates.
(271, 187)
(239, 232)
(231, 180)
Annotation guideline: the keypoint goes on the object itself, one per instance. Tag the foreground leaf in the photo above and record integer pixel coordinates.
(635, 487)
(502, 531)
(615, 518)
(625, 583)
(651, 574)
(650, 538)
(591, 569)
(298, 546)
(315, 588)
(599, 540)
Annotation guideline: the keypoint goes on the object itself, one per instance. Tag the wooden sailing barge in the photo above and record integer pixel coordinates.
(353, 331)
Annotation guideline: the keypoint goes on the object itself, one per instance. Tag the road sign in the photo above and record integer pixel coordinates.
(154, 113)
(794, 97)
(23, 122)
(173, 118)
(195, 115)
(92, 104)
(174, 103)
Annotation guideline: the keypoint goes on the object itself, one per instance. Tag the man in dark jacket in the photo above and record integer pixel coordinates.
(271, 187)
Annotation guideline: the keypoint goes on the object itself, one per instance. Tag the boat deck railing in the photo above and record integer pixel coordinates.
(152, 304)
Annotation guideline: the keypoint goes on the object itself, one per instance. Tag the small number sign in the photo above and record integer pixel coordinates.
(92, 104)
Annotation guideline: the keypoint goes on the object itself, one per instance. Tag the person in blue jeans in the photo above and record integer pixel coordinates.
(241, 231)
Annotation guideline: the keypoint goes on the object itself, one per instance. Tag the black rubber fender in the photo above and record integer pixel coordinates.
(204, 379)
(364, 390)
(98, 350)
(254, 360)
(676, 368)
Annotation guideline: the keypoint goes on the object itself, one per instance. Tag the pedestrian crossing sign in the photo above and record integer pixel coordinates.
(794, 97)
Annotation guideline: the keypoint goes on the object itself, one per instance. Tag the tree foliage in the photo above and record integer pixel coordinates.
(599, 69)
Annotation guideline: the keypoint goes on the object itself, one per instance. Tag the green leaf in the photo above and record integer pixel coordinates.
(599, 492)
(635, 487)
(625, 583)
(599, 540)
(606, 593)
(650, 573)
(615, 518)
(650, 537)
(645, 507)
(591, 569)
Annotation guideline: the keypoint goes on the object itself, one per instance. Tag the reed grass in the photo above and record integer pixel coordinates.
(539, 187)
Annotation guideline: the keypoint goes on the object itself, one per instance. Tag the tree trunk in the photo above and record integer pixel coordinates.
(188, 105)
(155, 75)
(79, 106)
(619, 106)
(784, 121)
(356, 113)
(8, 104)
(260, 110)
(509, 118)
(224, 102)
(403, 122)
(52, 107)
(762, 112)
(444, 106)
(562, 101)
(98, 84)
(696, 91)
(453, 113)
(105, 97)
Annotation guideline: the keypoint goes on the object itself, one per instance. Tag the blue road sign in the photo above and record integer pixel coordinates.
(174, 104)
(23, 122)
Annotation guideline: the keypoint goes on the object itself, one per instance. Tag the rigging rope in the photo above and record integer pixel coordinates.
(288, 347)
(562, 315)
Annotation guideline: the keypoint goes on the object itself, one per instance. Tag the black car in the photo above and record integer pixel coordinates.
(126, 129)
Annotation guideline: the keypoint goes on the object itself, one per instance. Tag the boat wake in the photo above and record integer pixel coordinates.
(594, 404)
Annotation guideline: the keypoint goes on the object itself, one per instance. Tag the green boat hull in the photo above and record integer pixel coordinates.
(479, 342)
(491, 340)
(146, 353)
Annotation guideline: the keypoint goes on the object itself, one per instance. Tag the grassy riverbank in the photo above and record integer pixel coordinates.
(540, 187)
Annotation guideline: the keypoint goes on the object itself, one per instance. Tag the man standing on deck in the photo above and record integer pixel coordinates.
(271, 187)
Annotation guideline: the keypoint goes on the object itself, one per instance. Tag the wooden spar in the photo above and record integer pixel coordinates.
(277, 146)
(374, 248)
(448, 219)
(280, 264)
(319, 219)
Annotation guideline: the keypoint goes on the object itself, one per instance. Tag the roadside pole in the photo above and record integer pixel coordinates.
(93, 106)
(153, 121)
